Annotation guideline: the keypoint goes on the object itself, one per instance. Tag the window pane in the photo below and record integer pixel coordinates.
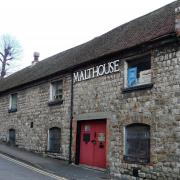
(13, 101)
(57, 91)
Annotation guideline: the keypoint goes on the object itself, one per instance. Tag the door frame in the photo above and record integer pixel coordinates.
(78, 139)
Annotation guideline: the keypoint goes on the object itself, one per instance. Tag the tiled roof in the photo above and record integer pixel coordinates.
(151, 26)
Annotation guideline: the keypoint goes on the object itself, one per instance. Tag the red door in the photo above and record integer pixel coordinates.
(93, 143)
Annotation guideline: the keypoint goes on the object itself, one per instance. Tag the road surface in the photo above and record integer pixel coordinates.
(11, 169)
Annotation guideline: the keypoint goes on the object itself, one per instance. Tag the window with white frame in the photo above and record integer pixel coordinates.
(137, 143)
(13, 102)
(138, 72)
(56, 91)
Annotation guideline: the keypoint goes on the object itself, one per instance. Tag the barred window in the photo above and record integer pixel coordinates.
(137, 143)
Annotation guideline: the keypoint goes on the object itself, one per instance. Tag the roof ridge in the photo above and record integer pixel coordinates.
(137, 31)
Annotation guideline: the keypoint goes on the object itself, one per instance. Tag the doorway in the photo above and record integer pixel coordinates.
(92, 143)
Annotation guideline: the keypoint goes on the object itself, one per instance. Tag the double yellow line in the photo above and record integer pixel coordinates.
(32, 168)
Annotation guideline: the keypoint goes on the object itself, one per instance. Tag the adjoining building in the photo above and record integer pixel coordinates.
(112, 103)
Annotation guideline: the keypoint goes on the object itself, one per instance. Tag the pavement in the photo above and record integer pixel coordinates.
(54, 166)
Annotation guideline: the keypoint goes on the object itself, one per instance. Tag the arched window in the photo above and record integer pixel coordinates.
(54, 138)
(12, 136)
(137, 143)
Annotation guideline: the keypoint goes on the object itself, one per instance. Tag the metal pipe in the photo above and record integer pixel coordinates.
(71, 120)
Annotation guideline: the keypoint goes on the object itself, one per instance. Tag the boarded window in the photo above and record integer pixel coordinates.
(54, 140)
(138, 71)
(137, 143)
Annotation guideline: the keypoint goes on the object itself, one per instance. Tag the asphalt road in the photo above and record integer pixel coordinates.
(11, 169)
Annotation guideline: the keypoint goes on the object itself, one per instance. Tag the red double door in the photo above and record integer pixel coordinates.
(93, 143)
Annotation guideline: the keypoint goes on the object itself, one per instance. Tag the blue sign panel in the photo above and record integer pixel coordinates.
(132, 76)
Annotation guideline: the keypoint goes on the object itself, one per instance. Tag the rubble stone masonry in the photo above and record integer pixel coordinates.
(158, 107)
(32, 106)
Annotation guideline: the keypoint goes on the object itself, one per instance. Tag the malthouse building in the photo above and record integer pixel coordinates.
(111, 103)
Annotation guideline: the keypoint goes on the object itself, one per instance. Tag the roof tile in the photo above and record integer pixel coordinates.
(138, 31)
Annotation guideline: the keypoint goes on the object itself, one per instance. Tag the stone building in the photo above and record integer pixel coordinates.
(113, 102)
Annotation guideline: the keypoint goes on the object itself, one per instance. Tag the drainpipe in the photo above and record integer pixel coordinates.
(71, 120)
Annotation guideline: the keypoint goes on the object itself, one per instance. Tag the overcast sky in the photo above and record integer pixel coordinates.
(52, 26)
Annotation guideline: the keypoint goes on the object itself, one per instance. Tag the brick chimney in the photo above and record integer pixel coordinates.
(177, 21)
(36, 58)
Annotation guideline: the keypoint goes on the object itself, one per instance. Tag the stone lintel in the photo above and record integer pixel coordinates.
(93, 116)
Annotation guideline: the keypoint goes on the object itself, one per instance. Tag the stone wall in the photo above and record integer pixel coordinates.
(158, 107)
(32, 106)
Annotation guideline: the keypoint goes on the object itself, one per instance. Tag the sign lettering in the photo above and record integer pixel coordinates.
(103, 69)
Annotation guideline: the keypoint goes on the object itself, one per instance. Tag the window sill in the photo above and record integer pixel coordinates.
(135, 161)
(136, 88)
(56, 102)
(12, 110)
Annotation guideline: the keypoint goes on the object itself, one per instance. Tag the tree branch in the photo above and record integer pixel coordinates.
(1, 54)
(9, 59)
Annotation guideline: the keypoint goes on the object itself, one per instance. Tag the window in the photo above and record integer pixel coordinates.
(56, 91)
(137, 143)
(12, 136)
(138, 72)
(13, 103)
(31, 125)
(54, 140)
